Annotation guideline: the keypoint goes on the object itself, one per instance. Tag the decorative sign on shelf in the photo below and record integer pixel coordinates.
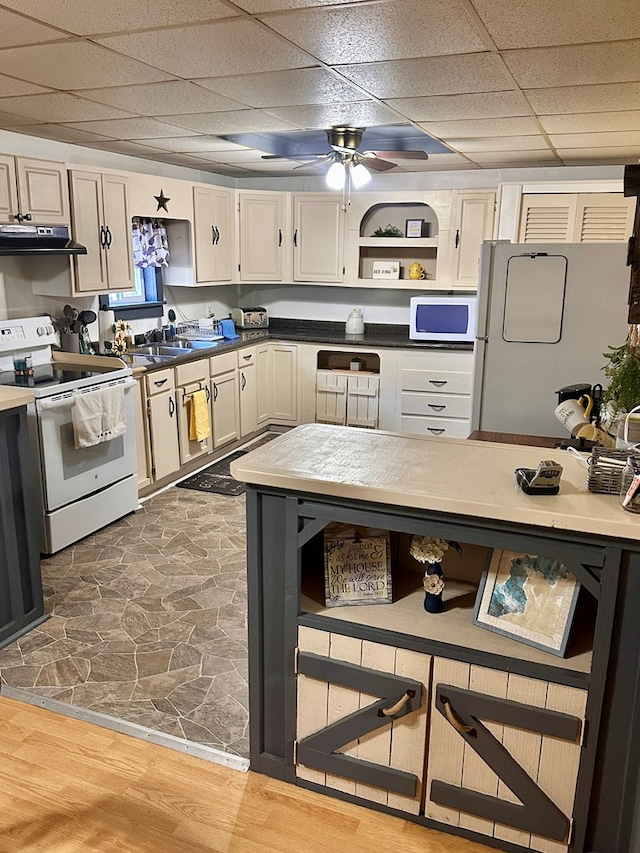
(357, 565)
(386, 269)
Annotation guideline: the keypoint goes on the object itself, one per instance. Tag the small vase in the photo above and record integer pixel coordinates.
(433, 588)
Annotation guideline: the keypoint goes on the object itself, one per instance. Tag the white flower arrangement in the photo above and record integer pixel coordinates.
(433, 584)
(428, 549)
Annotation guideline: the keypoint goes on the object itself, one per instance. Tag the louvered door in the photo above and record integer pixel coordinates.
(548, 218)
(604, 218)
(576, 218)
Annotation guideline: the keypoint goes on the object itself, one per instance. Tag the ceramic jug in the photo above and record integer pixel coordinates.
(355, 323)
(417, 271)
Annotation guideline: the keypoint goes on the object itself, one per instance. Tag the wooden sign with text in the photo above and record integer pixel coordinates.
(357, 562)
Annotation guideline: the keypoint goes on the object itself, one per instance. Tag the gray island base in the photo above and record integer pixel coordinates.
(435, 717)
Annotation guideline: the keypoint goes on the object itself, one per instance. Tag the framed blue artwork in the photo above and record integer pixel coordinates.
(528, 598)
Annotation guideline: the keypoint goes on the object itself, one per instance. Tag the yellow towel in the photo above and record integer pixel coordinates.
(199, 427)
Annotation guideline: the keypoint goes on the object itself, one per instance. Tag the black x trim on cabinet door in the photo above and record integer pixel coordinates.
(464, 709)
(400, 696)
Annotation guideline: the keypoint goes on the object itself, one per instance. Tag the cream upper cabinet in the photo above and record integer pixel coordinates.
(576, 218)
(102, 223)
(213, 225)
(33, 191)
(318, 237)
(262, 243)
(472, 222)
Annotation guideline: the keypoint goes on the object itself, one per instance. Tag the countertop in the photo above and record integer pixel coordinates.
(13, 398)
(309, 331)
(459, 476)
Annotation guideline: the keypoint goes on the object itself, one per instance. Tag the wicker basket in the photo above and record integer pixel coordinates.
(605, 470)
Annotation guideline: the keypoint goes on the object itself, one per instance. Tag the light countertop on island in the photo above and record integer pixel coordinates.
(468, 478)
(13, 398)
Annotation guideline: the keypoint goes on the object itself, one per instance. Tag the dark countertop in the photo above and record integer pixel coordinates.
(308, 331)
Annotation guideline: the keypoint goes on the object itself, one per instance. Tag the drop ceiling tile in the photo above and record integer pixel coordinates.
(451, 107)
(61, 133)
(359, 114)
(154, 99)
(191, 144)
(576, 65)
(584, 99)
(239, 157)
(524, 23)
(177, 159)
(236, 121)
(592, 122)
(83, 18)
(370, 33)
(520, 157)
(436, 162)
(124, 147)
(440, 75)
(500, 143)
(10, 87)
(285, 88)
(9, 120)
(596, 140)
(76, 65)
(212, 50)
(60, 107)
(129, 128)
(613, 155)
(515, 126)
(594, 158)
(16, 30)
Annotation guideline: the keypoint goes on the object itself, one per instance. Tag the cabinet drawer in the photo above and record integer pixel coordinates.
(160, 380)
(195, 371)
(223, 363)
(447, 381)
(435, 405)
(246, 356)
(440, 427)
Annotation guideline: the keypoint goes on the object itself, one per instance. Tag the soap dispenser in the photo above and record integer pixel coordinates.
(355, 323)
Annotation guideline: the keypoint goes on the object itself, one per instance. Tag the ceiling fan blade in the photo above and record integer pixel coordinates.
(398, 155)
(295, 156)
(379, 165)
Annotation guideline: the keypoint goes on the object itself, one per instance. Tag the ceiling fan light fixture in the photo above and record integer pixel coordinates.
(360, 175)
(336, 175)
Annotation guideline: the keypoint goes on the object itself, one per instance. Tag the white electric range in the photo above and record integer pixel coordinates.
(82, 489)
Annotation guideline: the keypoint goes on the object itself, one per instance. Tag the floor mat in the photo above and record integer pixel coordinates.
(216, 478)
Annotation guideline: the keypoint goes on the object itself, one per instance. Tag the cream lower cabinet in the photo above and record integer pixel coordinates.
(485, 750)
(142, 433)
(225, 402)
(435, 393)
(192, 379)
(163, 423)
(283, 382)
(33, 191)
(247, 375)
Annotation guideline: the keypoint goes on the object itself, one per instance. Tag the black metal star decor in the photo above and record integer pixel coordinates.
(162, 201)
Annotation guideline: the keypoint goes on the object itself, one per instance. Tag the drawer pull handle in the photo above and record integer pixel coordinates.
(389, 712)
(438, 382)
(436, 431)
(159, 382)
(436, 408)
(246, 357)
(452, 718)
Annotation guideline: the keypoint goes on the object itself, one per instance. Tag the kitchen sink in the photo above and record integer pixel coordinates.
(175, 348)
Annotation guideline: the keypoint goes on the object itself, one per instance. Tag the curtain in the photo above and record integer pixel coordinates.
(150, 243)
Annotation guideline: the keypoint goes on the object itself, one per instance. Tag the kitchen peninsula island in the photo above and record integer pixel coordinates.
(431, 716)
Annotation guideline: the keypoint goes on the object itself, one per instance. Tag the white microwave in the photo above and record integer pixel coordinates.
(442, 318)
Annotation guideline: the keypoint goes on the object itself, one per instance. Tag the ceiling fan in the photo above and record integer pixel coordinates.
(345, 155)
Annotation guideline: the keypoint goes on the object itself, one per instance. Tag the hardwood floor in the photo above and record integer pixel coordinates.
(70, 787)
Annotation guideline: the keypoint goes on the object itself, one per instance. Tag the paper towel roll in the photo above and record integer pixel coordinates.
(106, 321)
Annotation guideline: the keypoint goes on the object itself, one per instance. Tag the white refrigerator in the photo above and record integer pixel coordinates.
(546, 314)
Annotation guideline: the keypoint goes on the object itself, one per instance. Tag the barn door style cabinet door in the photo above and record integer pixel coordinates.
(433, 716)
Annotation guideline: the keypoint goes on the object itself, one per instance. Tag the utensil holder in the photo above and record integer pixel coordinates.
(70, 342)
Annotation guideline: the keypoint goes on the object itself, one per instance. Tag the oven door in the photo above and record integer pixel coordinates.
(69, 474)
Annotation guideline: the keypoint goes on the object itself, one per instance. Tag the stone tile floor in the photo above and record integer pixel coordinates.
(148, 622)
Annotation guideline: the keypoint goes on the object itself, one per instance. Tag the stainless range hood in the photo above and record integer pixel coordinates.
(19, 240)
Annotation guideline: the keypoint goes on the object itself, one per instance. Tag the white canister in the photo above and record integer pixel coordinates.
(355, 323)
